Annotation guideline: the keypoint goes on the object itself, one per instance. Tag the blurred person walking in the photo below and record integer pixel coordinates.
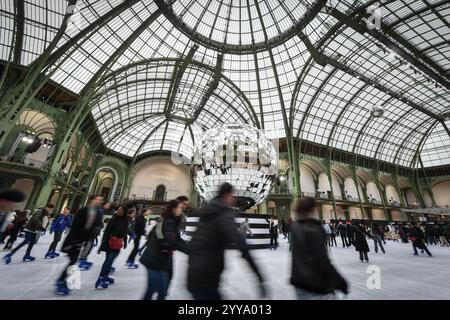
(312, 274)
(377, 237)
(83, 228)
(84, 264)
(417, 238)
(216, 231)
(327, 229)
(244, 230)
(33, 227)
(138, 232)
(162, 241)
(342, 231)
(113, 240)
(360, 242)
(8, 200)
(16, 226)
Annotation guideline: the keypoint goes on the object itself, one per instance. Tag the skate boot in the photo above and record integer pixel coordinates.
(111, 271)
(109, 280)
(62, 289)
(7, 258)
(101, 283)
(55, 254)
(85, 265)
(132, 265)
(49, 255)
(28, 258)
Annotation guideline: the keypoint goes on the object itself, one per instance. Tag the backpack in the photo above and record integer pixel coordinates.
(35, 222)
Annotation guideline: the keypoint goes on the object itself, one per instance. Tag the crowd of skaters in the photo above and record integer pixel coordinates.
(313, 275)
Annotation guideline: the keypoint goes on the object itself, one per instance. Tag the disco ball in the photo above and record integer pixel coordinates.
(238, 154)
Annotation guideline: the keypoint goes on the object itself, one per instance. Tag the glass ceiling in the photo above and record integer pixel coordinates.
(146, 99)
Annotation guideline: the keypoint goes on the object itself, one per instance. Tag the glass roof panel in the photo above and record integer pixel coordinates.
(268, 76)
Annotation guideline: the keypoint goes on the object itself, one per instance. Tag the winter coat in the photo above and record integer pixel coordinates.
(360, 239)
(118, 227)
(38, 221)
(216, 231)
(162, 241)
(417, 236)
(311, 267)
(59, 224)
(342, 231)
(78, 231)
(350, 230)
(139, 226)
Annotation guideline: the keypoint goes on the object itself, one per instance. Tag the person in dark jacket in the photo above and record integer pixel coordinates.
(34, 225)
(183, 219)
(113, 240)
(377, 235)
(342, 231)
(360, 242)
(417, 238)
(284, 228)
(163, 240)
(403, 233)
(138, 231)
(350, 232)
(84, 264)
(313, 275)
(83, 227)
(58, 226)
(216, 231)
(15, 228)
(273, 231)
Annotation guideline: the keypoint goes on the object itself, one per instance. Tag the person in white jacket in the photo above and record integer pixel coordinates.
(327, 229)
(392, 232)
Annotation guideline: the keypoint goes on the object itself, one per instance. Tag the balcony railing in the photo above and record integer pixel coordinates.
(44, 165)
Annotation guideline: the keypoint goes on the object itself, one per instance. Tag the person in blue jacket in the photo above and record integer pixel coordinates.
(58, 226)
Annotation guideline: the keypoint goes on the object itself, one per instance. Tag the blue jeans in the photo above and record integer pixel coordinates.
(158, 282)
(107, 264)
(30, 239)
(307, 295)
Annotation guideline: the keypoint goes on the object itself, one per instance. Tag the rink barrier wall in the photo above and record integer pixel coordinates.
(257, 222)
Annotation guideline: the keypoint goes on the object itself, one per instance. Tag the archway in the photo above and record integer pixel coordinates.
(160, 193)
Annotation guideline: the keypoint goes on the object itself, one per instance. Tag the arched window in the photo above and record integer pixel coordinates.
(160, 192)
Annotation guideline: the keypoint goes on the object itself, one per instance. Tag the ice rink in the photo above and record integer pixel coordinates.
(402, 275)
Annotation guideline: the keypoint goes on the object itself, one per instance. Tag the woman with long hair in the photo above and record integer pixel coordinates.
(157, 257)
(114, 239)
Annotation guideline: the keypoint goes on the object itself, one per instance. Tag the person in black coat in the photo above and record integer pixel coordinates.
(360, 242)
(138, 231)
(83, 226)
(417, 238)
(216, 231)
(342, 231)
(273, 231)
(313, 275)
(113, 240)
(350, 233)
(157, 257)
